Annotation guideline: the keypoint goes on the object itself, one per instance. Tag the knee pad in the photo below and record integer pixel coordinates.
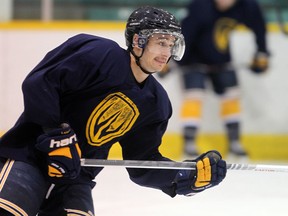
(191, 111)
(230, 105)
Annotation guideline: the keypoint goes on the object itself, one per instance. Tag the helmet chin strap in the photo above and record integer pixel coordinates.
(137, 58)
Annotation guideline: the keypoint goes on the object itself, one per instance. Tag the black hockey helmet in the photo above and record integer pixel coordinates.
(147, 20)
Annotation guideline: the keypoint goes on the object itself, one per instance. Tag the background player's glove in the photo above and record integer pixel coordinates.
(210, 171)
(164, 72)
(168, 68)
(260, 62)
(62, 153)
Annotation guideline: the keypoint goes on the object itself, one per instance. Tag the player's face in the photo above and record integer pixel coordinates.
(157, 52)
(224, 5)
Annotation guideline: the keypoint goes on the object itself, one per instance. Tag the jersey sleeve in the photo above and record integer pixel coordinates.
(64, 70)
(191, 26)
(256, 22)
(144, 145)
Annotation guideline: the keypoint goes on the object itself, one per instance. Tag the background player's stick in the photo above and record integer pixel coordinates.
(177, 165)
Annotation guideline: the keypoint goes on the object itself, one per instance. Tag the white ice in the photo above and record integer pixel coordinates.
(242, 193)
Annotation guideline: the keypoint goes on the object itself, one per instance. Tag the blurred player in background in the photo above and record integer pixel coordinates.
(206, 30)
(84, 96)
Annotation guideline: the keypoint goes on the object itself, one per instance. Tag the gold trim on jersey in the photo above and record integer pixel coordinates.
(5, 204)
(112, 118)
(5, 172)
(74, 212)
(12, 208)
(222, 30)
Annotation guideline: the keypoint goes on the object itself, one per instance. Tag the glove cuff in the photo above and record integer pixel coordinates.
(184, 181)
(261, 54)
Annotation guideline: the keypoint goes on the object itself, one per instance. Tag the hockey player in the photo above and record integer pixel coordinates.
(84, 96)
(206, 30)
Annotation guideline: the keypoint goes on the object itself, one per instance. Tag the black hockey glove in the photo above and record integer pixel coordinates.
(62, 153)
(260, 62)
(210, 171)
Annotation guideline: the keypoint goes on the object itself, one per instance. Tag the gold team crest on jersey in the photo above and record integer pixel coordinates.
(222, 30)
(112, 118)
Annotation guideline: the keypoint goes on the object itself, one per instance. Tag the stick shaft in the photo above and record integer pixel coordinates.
(138, 164)
(258, 167)
(177, 165)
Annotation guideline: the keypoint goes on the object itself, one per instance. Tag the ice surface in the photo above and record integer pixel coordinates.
(242, 193)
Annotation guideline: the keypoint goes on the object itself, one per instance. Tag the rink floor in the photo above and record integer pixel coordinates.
(242, 193)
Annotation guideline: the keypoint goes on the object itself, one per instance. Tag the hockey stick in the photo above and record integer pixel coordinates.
(177, 165)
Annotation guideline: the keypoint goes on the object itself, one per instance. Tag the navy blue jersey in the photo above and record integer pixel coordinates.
(207, 30)
(87, 82)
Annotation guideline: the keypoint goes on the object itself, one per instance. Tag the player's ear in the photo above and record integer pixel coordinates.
(135, 40)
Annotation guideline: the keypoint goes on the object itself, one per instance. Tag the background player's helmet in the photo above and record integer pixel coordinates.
(146, 21)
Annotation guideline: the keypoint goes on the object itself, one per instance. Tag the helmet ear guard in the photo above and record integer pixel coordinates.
(142, 41)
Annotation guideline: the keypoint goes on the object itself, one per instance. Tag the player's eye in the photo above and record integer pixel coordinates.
(161, 43)
(165, 44)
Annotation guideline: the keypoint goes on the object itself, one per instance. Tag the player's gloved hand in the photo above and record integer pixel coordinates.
(62, 153)
(260, 62)
(210, 171)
